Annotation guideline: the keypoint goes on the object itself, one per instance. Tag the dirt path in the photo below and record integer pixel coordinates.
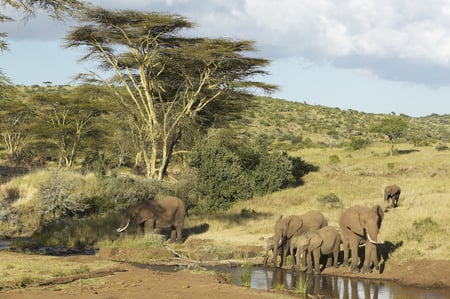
(135, 282)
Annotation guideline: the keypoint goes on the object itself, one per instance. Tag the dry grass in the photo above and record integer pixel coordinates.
(19, 270)
(358, 179)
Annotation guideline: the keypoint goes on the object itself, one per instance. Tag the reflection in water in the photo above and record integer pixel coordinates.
(326, 286)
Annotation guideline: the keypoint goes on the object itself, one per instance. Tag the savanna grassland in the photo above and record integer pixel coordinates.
(418, 229)
(420, 224)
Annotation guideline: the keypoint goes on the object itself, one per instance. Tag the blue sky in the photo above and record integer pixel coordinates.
(373, 56)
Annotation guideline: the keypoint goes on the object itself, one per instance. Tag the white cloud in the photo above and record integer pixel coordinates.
(378, 36)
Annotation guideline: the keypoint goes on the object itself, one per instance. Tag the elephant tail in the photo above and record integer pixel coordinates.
(121, 229)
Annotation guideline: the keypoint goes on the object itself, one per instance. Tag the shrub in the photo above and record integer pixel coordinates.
(126, 188)
(221, 178)
(441, 147)
(271, 172)
(60, 196)
(358, 143)
(334, 159)
(229, 171)
(420, 229)
(331, 201)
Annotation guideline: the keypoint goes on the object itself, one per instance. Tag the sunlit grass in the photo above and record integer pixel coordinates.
(19, 270)
(358, 179)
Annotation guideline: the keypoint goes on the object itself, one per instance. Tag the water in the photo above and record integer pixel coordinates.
(327, 286)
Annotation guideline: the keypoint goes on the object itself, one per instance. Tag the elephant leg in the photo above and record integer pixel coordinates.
(368, 255)
(173, 235)
(354, 244)
(336, 255)
(148, 226)
(329, 261)
(316, 254)
(293, 256)
(179, 233)
(345, 245)
(302, 266)
(309, 264)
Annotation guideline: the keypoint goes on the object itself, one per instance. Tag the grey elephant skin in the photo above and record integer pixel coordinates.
(361, 224)
(168, 212)
(391, 196)
(325, 241)
(290, 226)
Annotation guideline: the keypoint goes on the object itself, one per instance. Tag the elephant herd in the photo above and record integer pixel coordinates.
(305, 237)
(308, 237)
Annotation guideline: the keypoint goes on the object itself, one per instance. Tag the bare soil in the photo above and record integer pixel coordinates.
(130, 281)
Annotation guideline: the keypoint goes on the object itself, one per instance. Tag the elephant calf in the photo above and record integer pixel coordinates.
(325, 241)
(391, 196)
(269, 248)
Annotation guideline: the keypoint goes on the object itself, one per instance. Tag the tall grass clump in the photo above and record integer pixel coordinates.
(301, 285)
(246, 274)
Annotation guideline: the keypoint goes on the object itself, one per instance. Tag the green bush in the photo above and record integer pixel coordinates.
(420, 229)
(228, 171)
(334, 159)
(441, 147)
(221, 177)
(60, 196)
(331, 201)
(357, 143)
(271, 172)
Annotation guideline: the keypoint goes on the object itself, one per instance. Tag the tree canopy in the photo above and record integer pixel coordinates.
(162, 79)
(391, 126)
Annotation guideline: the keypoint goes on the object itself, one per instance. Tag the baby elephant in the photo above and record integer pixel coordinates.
(269, 248)
(325, 241)
(391, 196)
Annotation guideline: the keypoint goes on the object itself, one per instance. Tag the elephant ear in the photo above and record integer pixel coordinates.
(142, 214)
(315, 241)
(380, 214)
(293, 226)
(362, 221)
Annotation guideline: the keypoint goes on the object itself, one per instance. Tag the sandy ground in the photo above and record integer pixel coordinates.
(136, 282)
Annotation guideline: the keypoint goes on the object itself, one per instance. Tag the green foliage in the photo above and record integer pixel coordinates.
(334, 159)
(124, 189)
(441, 147)
(221, 176)
(230, 170)
(271, 172)
(331, 201)
(391, 165)
(246, 274)
(420, 229)
(60, 196)
(357, 143)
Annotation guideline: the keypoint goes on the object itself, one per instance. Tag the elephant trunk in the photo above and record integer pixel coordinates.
(121, 229)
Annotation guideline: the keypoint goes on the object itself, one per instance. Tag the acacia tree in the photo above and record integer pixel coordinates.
(15, 121)
(67, 119)
(391, 126)
(165, 79)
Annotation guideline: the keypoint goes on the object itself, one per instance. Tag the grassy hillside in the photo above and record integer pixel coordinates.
(293, 125)
(419, 226)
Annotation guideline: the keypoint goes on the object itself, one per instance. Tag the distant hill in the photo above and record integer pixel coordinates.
(290, 125)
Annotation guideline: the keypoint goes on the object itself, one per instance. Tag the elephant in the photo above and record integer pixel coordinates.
(149, 214)
(286, 228)
(325, 241)
(269, 248)
(361, 224)
(391, 195)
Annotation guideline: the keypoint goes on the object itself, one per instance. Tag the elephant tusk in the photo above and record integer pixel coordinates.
(370, 239)
(121, 229)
